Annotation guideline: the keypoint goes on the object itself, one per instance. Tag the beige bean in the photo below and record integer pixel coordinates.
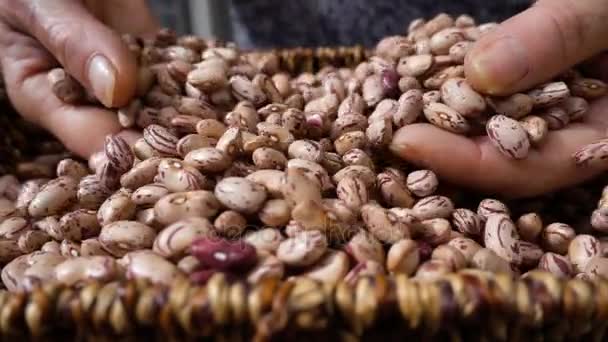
(536, 127)
(141, 174)
(422, 182)
(358, 157)
(468, 247)
(556, 264)
(231, 142)
(394, 47)
(431, 96)
(556, 117)
(556, 237)
(451, 256)
(591, 155)
(530, 254)
(529, 226)
(145, 264)
(394, 191)
(349, 122)
(403, 257)
(32, 240)
(297, 187)
(181, 205)
(581, 249)
(13, 227)
(327, 103)
(76, 225)
(272, 180)
(208, 78)
(353, 191)
(435, 232)
(208, 159)
(460, 96)
(211, 128)
(407, 83)
(82, 270)
(117, 207)
(71, 168)
(51, 247)
(575, 107)
(415, 66)
(148, 195)
(307, 150)
(368, 268)
(275, 213)
(314, 171)
(240, 194)
(53, 197)
(409, 108)
(442, 41)
(230, 223)
(500, 236)
(445, 117)
(372, 89)
(467, 222)
(588, 88)
(304, 249)
(383, 110)
(332, 162)
(380, 132)
(121, 237)
(459, 50)
(332, 268)
(515, 106)
(490, 206)
(363, 247)
(353, 103)
(40, 270)
(487, 260)
(349, 141)
(269, 158)
(175, 240)
(188, 264)
(436, 80)
(147, 217)
(508, 136)
(69, 249)
(384, 224)
(92, 246)
(549, 94)
(433, 207)
(269, 267)
(28, 191)
(13, 271)
(364, 173)
(265, 240)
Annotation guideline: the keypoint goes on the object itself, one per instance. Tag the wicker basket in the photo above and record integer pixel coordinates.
(469, 305)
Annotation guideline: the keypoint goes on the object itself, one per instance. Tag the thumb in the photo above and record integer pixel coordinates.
(537, 44)
(91, 52)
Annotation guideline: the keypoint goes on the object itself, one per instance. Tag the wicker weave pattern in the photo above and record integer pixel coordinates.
(470, 305)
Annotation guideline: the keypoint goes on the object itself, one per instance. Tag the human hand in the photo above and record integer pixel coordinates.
(84, 38)
(528, 49)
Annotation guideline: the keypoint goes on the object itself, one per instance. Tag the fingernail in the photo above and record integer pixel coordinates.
(102, 77)
(499, 65)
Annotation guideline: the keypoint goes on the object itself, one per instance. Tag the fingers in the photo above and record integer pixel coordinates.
(537, 44)
(24, 66)
(90, 51)
(475, 163)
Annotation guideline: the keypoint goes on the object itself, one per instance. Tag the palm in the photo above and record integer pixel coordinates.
(475, 163)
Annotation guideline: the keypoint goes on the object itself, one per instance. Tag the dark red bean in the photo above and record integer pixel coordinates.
(221, 254)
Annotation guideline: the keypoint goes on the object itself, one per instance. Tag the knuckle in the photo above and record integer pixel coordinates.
(569, 25)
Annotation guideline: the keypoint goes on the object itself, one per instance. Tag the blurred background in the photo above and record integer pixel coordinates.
(255, 23)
